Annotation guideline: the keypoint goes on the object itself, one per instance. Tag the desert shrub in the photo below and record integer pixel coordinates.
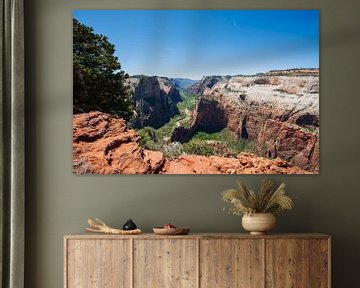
(198, 147)
(173, 150)
(149, 138)
(228, 138)
(168, 128)
(225, 136)
(245, 145)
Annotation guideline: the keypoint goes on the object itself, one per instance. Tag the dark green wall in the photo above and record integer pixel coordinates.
(59, 202)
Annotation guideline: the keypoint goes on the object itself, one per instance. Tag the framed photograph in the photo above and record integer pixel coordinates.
(196, 92)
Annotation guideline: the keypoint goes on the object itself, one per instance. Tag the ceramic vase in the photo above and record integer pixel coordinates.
(259, 223)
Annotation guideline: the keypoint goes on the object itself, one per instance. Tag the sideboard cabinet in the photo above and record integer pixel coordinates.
(197, 261)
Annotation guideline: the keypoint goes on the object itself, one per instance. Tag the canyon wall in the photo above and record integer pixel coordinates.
(280, 114)
(155, 100)
(206, 82)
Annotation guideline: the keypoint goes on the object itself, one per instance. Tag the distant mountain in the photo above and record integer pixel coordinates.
(182, 83)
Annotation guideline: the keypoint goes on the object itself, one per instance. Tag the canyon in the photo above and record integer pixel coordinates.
(103, 144)
(280, 114)
(276, 112)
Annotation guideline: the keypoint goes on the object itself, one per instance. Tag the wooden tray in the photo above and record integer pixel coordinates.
(171, 231)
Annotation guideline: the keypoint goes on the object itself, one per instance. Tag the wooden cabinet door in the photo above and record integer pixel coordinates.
(146, 261)
(320, 263)
(287, 263)
(165, 263)
(98, 263)
(297, 263)
(231, 263)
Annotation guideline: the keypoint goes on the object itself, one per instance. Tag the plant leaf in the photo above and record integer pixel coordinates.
(266, 189)
(230, 194)
(279, 202)
(245, 201)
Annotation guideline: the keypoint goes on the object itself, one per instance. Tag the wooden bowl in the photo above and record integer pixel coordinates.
(171, 231)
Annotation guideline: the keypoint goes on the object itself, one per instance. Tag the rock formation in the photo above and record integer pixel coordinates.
(279, 113)
(207, 82)
(243, 164)
(103, 144)
(155, 100)
(294, 72)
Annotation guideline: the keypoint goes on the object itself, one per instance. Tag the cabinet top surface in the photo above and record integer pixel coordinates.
(87, 235)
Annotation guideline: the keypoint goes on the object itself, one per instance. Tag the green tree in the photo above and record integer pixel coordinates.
(98, 81)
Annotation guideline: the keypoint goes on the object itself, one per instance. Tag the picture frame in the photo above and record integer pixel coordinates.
(168, 103)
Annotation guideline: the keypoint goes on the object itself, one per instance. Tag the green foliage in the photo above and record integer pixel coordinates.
(182, 119)
(168, 128)
(98, 81)
(188, 102)
(267, 200)
(158, 139)
(224, 143)
(228, 138)
(198, 148)
(149, 138)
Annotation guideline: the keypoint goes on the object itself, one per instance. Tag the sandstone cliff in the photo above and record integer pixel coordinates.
(279, 113)
(207, 82)
(294, 72)
(155, 100)
(103, 144)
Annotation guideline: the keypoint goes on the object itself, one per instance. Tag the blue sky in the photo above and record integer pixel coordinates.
(194, 43)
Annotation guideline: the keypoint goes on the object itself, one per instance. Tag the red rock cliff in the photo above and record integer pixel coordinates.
(103, 145)
(279, 113)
